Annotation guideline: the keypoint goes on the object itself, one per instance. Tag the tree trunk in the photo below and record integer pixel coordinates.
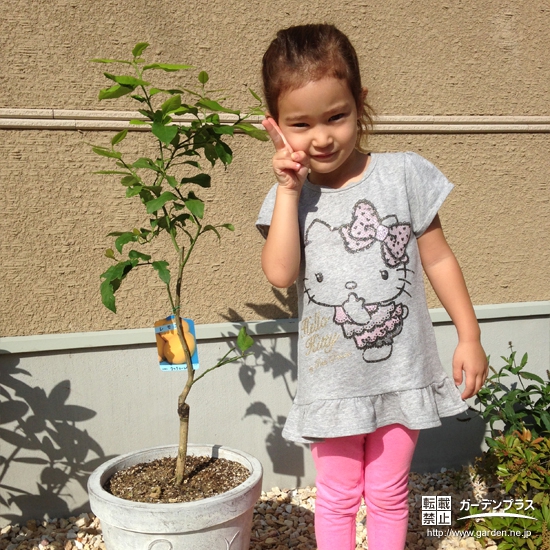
(183, 413)
(183, 408)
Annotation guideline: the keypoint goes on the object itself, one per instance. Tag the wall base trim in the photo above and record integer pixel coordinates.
(216, 331)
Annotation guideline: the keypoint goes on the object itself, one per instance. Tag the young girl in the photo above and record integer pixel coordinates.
(354, 229)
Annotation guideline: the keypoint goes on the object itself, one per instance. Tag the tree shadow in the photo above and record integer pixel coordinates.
(43, 430)
(271, 311)
(287, 457)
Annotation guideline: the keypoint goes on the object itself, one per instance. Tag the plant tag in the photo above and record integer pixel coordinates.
(170, 351)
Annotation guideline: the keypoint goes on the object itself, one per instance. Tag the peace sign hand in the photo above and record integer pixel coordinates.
(290, 167)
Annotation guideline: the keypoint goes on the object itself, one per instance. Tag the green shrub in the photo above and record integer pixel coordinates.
(534, 533)
(518, 456)
(523, 462)
(514, 403)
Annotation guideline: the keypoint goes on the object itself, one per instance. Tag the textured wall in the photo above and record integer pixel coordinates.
(432, 57)
(435, 58)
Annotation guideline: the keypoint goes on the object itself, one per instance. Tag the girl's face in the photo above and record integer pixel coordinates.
(320, 119)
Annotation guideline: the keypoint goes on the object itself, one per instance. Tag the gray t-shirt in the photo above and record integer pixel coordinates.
(367, 354)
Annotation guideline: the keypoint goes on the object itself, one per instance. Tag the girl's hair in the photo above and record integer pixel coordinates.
(307, 53)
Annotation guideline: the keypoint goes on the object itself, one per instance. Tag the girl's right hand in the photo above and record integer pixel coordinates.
(290, 167)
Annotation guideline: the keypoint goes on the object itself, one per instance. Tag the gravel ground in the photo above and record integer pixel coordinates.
(283, 519)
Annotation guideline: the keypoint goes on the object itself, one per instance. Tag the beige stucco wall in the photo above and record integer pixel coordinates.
(419, 58)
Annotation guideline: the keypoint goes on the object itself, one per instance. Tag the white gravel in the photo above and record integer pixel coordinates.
(283, 519)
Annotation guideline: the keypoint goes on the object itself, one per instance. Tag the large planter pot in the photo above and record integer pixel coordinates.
(222, 522)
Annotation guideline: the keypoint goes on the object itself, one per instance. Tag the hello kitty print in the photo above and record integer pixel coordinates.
(361, 276)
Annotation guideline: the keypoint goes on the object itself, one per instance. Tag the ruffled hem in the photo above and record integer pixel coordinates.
(417, 409)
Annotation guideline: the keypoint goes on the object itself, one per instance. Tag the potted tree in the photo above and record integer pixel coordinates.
(183, 135)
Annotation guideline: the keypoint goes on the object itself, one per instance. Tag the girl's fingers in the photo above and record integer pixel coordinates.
(287, 164)
(276, 135)
(290, 168)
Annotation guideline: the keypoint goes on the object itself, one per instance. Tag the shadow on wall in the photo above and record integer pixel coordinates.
(42, 429)
(289, 301)
(287, 457)
(451, 445)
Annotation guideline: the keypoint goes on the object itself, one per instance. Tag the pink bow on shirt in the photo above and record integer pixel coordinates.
(366, 228)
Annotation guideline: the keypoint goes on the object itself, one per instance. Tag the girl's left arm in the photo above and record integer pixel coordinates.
(445, 276)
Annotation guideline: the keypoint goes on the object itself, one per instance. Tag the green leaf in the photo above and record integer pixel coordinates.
(164, 133)
(118, 271)
(147, 113)
(111, 61)
(251, 130)
(119, 137)
(133, 191)
(229, 226)
(172, 181)
(137, 122)
(139, 48)
(145, 195)
(115, 91)
(108, 295)
(134, 254)
(255, 95)
(203, 77)
(155, 189)
(531, 376)
(129, 180)
(224, 130)
(212, 228)
(185, 109)
(111, 172)
(112, 279)
(167, 67)
(159, 202)
(107, 153)
(224, 152)
(244, 341)
(163, 222)
(110, 253)
(125, 80)
(163, 271)
(125, 238)
(212, 105)
(144, 162)
(195, 206)
(210, 153)
(171, 105)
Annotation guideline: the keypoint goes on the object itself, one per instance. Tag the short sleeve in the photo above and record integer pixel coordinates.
(427, 189)
(266, 212)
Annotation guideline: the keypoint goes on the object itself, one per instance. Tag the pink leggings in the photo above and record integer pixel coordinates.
(375, 466)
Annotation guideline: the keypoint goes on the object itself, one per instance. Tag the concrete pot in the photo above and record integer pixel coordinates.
(222, 522)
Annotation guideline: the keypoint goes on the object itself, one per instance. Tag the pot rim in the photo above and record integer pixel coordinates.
(234, 502)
